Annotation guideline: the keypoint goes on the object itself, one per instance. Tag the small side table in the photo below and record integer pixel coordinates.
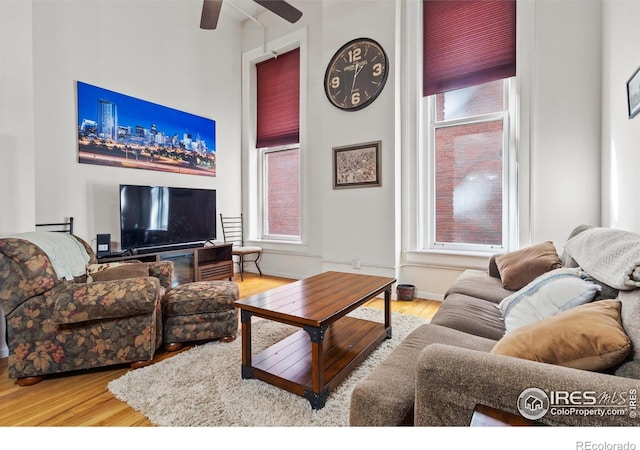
(486, 416)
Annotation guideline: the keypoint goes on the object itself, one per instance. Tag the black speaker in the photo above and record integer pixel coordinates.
(104, 244)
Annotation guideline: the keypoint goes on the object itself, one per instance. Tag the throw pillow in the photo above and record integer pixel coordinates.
(116, 271)
(122, 272)
(550, 293)
(588, 337)
(93, 268)
(522, 266)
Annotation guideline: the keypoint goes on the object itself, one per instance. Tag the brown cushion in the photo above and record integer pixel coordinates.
(121, 272)
(588, 337)
(477, 283)
(470, 315)
(520, 267)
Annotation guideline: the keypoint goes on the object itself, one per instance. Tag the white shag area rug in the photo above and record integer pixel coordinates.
(203, 386)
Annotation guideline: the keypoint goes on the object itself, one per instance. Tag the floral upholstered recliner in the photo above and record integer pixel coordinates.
(57, 324)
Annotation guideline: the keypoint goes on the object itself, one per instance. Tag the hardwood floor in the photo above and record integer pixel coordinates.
(82, 399)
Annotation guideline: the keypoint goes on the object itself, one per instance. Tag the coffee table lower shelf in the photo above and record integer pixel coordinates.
(288, 364)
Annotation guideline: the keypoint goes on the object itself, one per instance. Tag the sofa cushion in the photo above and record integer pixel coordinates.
(630, 316)
(76, 303)
(522, 266)
(555, 291)
(477, 283)
(386, 396)
(200, 297)
(588, 337)
(470, 315)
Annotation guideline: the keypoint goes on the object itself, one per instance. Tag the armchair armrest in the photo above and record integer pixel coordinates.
(162, 270)
(451, 381)
(104, 300)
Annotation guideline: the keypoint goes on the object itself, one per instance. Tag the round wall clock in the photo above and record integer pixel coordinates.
(356, 74)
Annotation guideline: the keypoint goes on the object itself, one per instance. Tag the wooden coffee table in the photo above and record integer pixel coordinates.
(314, 360)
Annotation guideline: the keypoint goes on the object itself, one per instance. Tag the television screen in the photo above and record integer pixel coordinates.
(157, 216)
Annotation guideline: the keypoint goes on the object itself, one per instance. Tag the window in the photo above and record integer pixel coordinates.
(281, 169)
(469, 62)
(468, 150)
(278, 145)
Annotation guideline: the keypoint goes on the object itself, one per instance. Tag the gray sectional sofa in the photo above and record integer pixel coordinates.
(465, 356)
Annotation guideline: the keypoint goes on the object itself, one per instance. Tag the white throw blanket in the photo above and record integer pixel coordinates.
(68, 256)
(608, 255)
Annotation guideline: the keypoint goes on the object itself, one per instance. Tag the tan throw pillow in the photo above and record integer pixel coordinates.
(121, 272)
(520, 267)
(588, 337)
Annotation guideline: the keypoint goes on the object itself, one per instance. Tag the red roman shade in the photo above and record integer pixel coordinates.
(278, 92)
(467, 42)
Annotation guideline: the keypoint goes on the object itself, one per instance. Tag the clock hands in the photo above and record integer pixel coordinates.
(357, 70)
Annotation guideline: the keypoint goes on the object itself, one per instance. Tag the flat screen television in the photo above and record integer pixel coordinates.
(162, 216)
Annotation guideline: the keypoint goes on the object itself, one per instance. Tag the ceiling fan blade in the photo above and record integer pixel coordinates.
(281, 8)
(210, 14)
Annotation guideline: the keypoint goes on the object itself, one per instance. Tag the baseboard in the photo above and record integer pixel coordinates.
(291, 276)
(430, 295)
(295, 276)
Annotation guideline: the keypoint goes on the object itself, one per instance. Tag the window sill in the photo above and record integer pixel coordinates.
(274, 246)
(448, 259)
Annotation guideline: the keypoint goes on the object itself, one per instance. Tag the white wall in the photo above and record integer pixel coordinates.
(16, 118)
(565, 119)
(16, 126)
(150, 50)
(359, 224)
(620, 135)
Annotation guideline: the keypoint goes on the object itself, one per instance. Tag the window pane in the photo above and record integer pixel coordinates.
(472, 101)
(283, 193)
(468, 164)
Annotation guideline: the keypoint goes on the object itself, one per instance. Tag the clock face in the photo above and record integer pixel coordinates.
(356, 74)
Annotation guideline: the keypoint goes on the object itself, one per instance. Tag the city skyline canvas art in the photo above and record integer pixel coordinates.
(118, 130)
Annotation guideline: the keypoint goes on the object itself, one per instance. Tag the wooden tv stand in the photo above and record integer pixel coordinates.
(192, 264)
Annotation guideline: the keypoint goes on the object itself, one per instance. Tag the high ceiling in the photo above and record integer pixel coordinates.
(230, 9)
(245, 10)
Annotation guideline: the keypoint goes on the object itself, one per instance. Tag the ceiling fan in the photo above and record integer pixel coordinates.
(211, 11)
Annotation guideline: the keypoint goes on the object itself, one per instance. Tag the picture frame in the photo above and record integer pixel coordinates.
(357, 165)
(118, 130)
(633, 94)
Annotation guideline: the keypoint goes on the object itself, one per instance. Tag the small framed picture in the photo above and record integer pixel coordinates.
(633, 93)
(356, 165)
